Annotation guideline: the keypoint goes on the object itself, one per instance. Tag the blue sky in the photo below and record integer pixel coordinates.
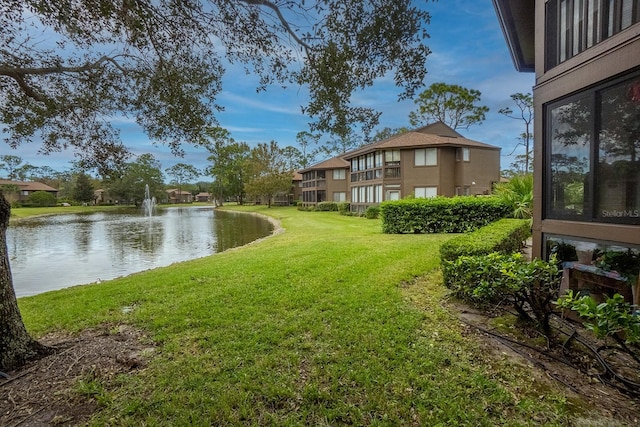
(468, 49)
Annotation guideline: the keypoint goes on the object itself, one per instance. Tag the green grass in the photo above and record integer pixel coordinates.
(329, 323)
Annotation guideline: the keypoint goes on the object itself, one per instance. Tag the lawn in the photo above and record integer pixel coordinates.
(329, 323)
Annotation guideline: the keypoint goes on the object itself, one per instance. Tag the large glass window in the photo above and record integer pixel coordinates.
(618, 166)
(569, 160)
(339, 174)
(575, 25)
(592, 159)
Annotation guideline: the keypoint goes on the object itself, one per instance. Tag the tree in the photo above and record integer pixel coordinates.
(268, 170)
(11, 164)
(453, 105)
(308, 143)
(130, 182)
(83, 190)
(161, 62)
(42, 199)
(228, 170)
(524, 105)
(388, 132)
(182, 173)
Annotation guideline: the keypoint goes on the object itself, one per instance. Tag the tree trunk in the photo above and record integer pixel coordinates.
(16, 346)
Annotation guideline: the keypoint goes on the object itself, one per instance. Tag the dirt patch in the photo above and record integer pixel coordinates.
(573, 368)
(64, 388)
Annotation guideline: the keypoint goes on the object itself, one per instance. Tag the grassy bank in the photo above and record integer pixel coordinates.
(329, 323)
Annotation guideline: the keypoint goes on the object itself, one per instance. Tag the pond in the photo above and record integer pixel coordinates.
(55, 252)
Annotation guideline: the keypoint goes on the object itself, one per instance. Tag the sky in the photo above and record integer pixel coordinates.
(468, 49)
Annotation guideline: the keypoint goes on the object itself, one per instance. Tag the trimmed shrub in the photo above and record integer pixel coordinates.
(327, 206)
(495, 278)
(344, 208)
(42, 199)
(440, 214)
(372, 212)
(505, 236)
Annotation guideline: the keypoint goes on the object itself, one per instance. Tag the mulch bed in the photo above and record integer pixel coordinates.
(45, 392)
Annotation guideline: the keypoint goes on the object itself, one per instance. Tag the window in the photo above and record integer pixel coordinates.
(392, 156)
(426, 157)
(370, 161)
(393, 195)
(425, 192)
(592, 166)
(575, 25)
(339, 174)
(339, 196)
(462, 154)
(378, 162)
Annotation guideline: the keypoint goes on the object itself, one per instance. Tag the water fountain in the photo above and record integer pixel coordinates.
(149, 203)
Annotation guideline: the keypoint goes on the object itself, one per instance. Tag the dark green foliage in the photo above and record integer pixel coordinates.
(372, 212)
(83, 190)
(627, 263)
(608, 318)
(41, 199)
(344, 208)
(440, 214)
(497, 278)
(327, 207)
(504, 236)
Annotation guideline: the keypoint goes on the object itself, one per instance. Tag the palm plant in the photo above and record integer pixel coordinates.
(518, 194)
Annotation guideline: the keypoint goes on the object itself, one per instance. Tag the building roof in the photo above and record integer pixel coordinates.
(28, 186)
(518, 25)
(333, 163)
(434, 135)
(175, 190)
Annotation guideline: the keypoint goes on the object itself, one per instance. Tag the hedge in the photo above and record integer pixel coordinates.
(504, 236)
(441, 214)
(327, 207)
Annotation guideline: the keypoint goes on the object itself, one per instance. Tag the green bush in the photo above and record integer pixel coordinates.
(344, 208)
(41, 199)
(496, 278)
(518, 195)
(440, 214)
(505, 236)
(372, 212)
(605, 319)
(327, 206)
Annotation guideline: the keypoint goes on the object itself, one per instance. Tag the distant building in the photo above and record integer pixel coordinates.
(21, 190)
(433, 160)
(204, 197)
(179, 196)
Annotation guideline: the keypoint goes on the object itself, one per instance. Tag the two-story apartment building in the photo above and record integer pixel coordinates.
(586, 59)
(430, 161)
(433, 160)
(325, 181)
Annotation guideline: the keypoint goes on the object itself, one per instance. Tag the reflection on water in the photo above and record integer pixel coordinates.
(55, 252)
